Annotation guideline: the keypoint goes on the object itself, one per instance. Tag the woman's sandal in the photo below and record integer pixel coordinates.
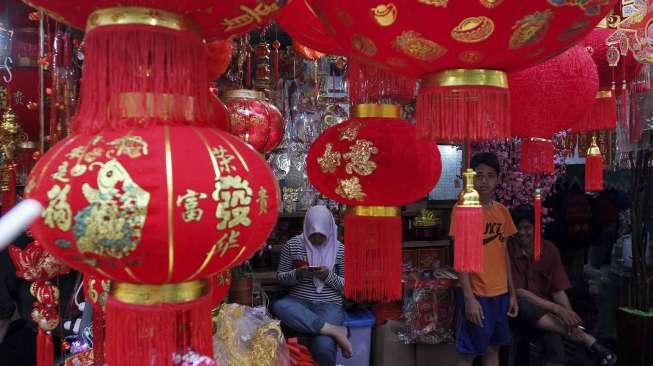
(602, 355)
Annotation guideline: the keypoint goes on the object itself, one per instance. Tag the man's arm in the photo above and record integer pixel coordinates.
(563, 312)
(540, 302)
(514, 307)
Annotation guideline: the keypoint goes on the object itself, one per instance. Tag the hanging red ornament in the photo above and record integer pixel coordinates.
(306, 52)
(8, 191)
(468, 228)
(254, 119)
(462, 57)
(219, 54)
(549, 98)
(361, 162)
(537, 245)
(594, 168)
(96, 292)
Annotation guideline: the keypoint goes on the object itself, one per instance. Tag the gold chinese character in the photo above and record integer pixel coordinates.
(350, 132)
(330, 160)
(249, 15)
(132, 146)
(234, 195)
(262, 201)
(61, 172)
(76, 153)
(92, 155)
(350, 189)
(359, 158)
(227, 241)
(190, 200)
(58, 213)
(224, 159)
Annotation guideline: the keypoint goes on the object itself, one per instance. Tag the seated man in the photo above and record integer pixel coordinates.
(312, 266)
(544, 309)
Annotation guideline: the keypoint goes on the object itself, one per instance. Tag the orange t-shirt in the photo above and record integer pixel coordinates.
(499, 227)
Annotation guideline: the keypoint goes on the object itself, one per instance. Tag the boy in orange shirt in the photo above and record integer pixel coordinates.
(488, 298)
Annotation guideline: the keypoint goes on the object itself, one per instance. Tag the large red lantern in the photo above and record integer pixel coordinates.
(254, 119)
(374, 164)
(548, 98)
(461, 50)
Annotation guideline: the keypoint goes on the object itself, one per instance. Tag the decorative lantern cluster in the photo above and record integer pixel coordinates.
(254, 119)
(122, 201)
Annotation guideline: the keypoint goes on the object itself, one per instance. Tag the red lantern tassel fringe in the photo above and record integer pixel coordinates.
(139, 335)
(602, 115)
(537, 156)
(468, 239)
(537, 245)
(463, 112)
(123, 62)
(373, 258)
(594, 173)
(372, 84)
(9, 195)
(98, 329)
(44, 349)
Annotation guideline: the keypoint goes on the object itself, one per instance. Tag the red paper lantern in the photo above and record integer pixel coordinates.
(549, 98)
(461, 50)
(254, 119)
(374, 164)
(299, 20)
(219, 53)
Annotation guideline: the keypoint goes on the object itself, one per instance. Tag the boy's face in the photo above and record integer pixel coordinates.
(486, 180)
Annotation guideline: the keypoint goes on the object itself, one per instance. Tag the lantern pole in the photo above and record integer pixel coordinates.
(41, 84)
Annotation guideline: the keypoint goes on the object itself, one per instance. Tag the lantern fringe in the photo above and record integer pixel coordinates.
(537, 245)
(372, 84)
(44, 349)
(537, 156)
(468, 239)
(9, 196)
(458, 113)
(139, 335)
(98, 329)
(602, 116)
(373, 258)
(168, 64)
(594, 173)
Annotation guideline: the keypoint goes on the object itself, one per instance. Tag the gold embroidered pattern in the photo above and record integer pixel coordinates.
(414, 45)
(437, 3)
(473, 29)
(350, 189)
(491, 3)
(132, 146)
(62, 171)
(112, 223)
(359, 158)
(530, 29)
(262, 200)
(591, 7)
(192, 210)
(250, 15)
(224, 159)
(234, 195)
(227, 241)
(58, 213)
(350, 132)
(363, 45)
(76, 153)
(384, 14)
(330, 160)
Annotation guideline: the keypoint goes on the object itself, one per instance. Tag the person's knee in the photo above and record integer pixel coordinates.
(280, 306)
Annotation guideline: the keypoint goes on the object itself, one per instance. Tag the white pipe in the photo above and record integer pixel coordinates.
(16, 220)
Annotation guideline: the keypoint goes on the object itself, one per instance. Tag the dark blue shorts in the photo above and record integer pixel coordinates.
(474, 340)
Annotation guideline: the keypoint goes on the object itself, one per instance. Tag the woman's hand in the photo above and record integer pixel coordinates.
(322, 273)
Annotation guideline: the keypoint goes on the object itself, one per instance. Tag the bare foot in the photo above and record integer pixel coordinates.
(339, 334)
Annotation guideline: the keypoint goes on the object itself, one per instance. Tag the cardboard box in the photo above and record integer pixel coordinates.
(435, 354)
(388, 349)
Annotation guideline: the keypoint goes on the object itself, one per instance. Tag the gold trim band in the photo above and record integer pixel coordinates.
(601, 94)
(171, 293)
(467, 77)
(370, 110)
(244, 94)
(142, 105)
(127, 15)
(377, 211)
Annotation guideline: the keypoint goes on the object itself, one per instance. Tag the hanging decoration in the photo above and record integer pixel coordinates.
(125, 167)
(462, 58)
(219, 52)
(467, 227)
(363, 163)
(254, 119)
(96, 291)
(299, 20)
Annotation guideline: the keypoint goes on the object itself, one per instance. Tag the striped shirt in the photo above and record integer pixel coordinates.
(294, 251)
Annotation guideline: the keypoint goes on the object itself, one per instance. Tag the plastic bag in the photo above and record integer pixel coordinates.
(247, 336)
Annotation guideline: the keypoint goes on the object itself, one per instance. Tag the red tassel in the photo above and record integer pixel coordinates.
(468, 239)
(537, 156)
(594, 173)
(463, 112)
(537, 245)
(44, 349)
(9, 196)
(602, 115)
(373, 84)
(139, 335)
(373, 258)
(119, 59)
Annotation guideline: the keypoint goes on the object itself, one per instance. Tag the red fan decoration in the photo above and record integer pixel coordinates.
(363, 163)
(461, 50)
(549, 98)
(254, 119)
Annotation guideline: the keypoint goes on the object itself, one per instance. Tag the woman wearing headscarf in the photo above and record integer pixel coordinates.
(312, 267)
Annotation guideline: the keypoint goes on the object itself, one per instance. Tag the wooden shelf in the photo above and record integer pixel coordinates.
(426, 243)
